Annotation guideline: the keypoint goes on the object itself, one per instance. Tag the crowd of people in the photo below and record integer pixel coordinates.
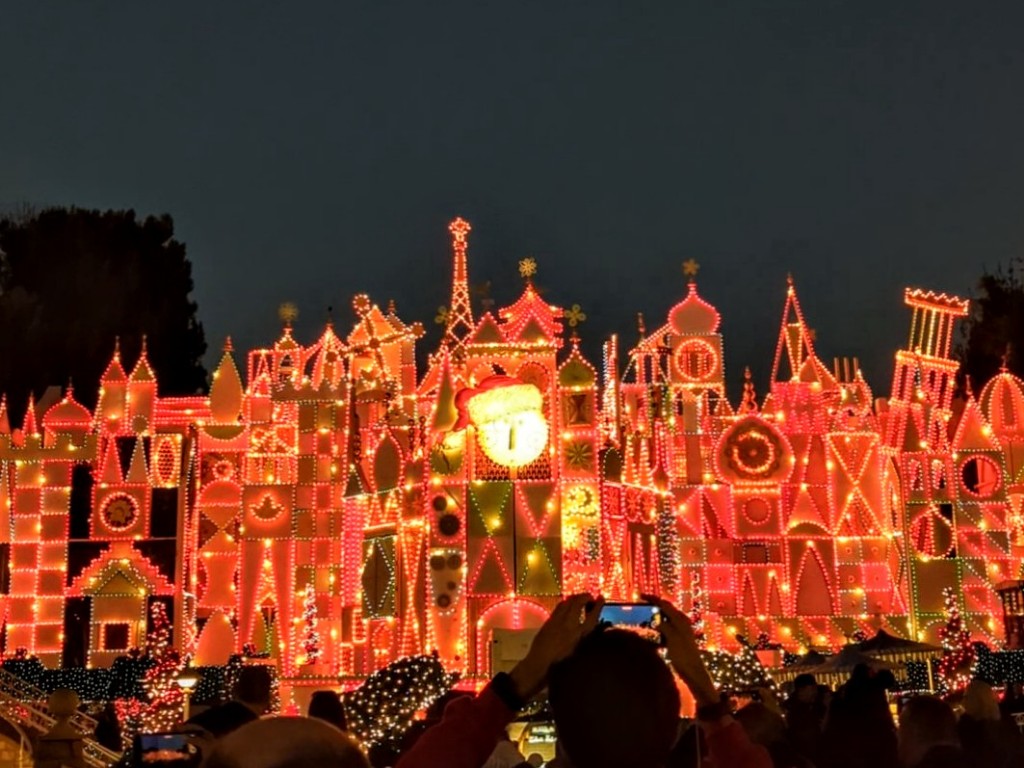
(615, 704)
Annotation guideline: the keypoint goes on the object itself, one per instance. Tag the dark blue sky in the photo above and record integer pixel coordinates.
(308, 151)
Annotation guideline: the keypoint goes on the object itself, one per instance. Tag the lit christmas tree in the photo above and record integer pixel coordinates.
(311, 642)
(739, 673)
(164, 698)
(957, 663)
(696, 610)
(382, 709)
(668, 549)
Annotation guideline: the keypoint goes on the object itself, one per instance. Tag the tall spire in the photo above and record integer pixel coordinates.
(459, 320)
(796, 340)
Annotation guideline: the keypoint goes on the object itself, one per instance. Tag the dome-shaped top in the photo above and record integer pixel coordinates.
(693, 316)
(1002, 402)
(68, 413)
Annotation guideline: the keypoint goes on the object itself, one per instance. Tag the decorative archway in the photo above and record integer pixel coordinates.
(515, 613)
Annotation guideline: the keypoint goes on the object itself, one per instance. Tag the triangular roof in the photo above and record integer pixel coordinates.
(137, 474)
(576, 371)
(487, 331)
(532, 320)
(795, 345)
(111, 474)
(142, 371)
(325, 359)
(114, 371)
(125, 563)
(973, 433)
(29, 425)
(226, 391)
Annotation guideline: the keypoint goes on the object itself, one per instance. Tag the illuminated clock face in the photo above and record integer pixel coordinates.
(120, 512)
(696, 360)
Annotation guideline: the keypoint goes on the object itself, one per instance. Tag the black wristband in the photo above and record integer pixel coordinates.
(505, 689)
(716, 711)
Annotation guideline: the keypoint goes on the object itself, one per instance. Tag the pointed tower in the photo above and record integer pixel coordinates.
(141, 393)
(110, 410)
(794, 353)
(460, 315)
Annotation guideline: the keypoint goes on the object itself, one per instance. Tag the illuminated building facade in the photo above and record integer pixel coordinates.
(402, 511)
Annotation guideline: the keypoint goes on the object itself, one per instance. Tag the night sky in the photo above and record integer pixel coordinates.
(314, 150)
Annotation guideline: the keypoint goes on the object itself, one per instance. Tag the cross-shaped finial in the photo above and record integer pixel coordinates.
(574, 316)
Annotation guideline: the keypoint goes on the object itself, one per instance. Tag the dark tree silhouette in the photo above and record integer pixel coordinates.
(995, 327)
(73, 280)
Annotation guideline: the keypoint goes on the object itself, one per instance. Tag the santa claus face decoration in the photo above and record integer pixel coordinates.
(508, 416)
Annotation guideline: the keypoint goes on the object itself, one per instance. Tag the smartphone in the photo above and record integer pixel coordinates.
(165, 749)
(642, 618)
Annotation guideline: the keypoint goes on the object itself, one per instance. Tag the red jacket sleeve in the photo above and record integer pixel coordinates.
(730, 747)
(465, 737)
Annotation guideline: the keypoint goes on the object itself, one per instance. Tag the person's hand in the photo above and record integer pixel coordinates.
(683, 651)
(556, 640)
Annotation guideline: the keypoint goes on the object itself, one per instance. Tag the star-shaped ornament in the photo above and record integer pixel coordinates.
(527, 267)
(691, 267)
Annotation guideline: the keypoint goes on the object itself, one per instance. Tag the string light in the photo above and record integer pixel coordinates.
(326, 513)
(383, 708)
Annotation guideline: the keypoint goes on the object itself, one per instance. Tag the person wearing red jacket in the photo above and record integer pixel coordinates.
(614, 700)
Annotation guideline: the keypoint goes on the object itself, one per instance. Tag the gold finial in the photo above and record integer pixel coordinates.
(691, 267)
(527, 267)
(441, 318)
(287, 313)
(575, 315)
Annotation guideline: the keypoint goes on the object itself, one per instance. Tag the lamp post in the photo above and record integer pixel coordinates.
(187, 679)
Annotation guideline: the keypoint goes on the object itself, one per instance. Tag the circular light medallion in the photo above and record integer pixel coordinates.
(120, 512)
(696, 360)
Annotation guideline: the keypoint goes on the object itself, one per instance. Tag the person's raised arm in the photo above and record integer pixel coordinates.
(471, 728)
(728, 743)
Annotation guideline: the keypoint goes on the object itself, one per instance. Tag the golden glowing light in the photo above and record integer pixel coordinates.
(510, 423)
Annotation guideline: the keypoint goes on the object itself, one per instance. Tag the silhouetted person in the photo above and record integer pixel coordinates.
(768, 728)
(108, 729)
(804, 714)
(859, 731)
(1013, 699)
(286, 742)
(250, 700)
(327, 706)
(613, 698)
(927, 736)
(986, 735)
